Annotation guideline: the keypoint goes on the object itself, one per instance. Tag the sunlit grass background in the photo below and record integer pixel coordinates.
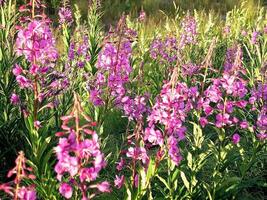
(113, 9)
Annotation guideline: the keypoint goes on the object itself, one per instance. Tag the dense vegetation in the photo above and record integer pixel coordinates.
(169, 110)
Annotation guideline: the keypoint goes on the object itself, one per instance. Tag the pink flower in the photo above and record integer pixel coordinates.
(37, 124)
(65, 190)
(88, 174)
(17, 70)
(262, 136)
(119, 181)
(244, 124)
(222, 120)
(138, 153)
(236, 138)
(174, 151)
(23, 82)
(36, 42)
(65, 16)
(244, 33)
(120, 164)
(104, 187)
(26, 193)
(34, 69)
(153, 136)
(142, 16)
(203, 121)
(14, 99)
(227, 30)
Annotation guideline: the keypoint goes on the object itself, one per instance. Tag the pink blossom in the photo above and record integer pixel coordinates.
(236, 138)
(262, 136)
(65, 190)
(203, 121)
(23, 82)
(142, 16)
(174, 151)
(120, 164)
(138, 153)
(37, 124)
(153, 136)
(27, 193)
(88, 174)
(244, 124)
(222, 120)
(36, 42)
(119, 181)
(17, 70)
(104, 187)
(34, 69)
(14, 99)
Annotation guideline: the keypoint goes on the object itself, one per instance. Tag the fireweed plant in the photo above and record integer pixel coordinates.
(15, 188)
(79, 157)
(177, 111)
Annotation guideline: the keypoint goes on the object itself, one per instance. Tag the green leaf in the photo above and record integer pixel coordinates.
(185, 181)
(164, 182)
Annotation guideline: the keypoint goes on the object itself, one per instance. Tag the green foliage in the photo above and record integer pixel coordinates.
(10, 138)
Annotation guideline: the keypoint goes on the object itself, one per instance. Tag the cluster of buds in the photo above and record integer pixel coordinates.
(21, 172)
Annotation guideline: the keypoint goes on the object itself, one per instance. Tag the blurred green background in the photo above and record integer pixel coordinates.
(114, 8)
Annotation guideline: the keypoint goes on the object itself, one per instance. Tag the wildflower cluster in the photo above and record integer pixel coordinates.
(79, 157)
(133, 158)
(189, 31)
(170, 110)
(65, 16)
(164, 50)
(258, 100)
(113, 74)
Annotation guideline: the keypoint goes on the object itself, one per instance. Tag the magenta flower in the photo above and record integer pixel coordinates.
(153, 136)
(138, 153)
(203, 121)
(262, 136)
(103, 187)
(227, 30)
(120, 164)
(88, 174)
(244, 124)
(14, 99)
(34, 69)
(254, 37)
(65, 190)
(37, 124)
(142, 16)
(65, 16)
(164, 50)
(119, 181)
(222, 120)
(23, 82)
(27, 193)
(236, 138)
(174, 151)
(17, 70)
(244, 33)
(36, 42)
